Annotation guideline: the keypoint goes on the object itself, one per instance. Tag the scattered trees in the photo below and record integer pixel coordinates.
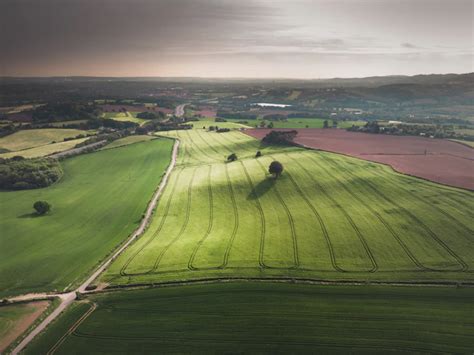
(41, 207)
(232, 157)
(18, 173)
(275, 168)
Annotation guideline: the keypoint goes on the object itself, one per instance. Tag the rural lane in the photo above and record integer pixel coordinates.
(68, 298)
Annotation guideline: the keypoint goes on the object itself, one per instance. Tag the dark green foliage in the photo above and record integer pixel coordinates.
(280, 137)
(258, 154)
(237, 115)
(64, 111)
(275, 168)
(222, 130)
(21, 174)
(41, 207)
(232, 157)
(218, 119)
(275, 117)
(151, 115)
(325, 124)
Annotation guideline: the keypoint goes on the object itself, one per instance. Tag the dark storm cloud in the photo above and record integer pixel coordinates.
(234, 38)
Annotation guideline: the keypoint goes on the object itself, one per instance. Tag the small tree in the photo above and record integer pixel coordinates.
(41, 207)
(325, 124)
(259, 154)
(232, 157)
(275, 168)
(270, 125)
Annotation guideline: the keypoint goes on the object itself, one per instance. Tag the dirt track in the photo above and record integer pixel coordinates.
(438, 160)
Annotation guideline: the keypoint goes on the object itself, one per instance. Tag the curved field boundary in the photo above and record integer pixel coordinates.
(183, 227)
(162, 222)
(72, 329)
(429, 202)
(209, 226)
(326, 234)
(461, 262)
(290, 221)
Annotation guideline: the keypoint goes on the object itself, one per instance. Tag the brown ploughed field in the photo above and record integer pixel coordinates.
(438, 160)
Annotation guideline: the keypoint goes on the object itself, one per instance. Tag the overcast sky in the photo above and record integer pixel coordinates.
(235, 38)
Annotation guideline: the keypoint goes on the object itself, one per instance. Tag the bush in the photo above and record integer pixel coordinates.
(232, 157)
(258, 155)
(41, 207)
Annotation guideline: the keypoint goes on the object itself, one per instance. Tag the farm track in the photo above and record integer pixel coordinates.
(344, 212)
(461, 262)
(183, 227)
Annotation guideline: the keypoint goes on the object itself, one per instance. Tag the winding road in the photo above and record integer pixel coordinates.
(67, 298)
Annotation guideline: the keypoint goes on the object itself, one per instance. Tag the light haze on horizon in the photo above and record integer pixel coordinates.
(246, 38)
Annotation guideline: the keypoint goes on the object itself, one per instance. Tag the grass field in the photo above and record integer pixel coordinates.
(327, 217)
(126, 141)
(302, 123)
(268, 318)
(125, 116)
(95, 206)
(469, 143)
(44, 150)
(31, 138)
(210, 122)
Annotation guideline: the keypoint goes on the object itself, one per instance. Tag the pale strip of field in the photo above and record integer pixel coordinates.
(16, 319)
(44, 150)
(468, 143)
(31, 138)
(126, 141)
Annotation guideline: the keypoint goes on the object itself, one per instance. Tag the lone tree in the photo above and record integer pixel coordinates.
(41, 207)
(275, 168)
(232, 157)
(259, 154)
(325, 124)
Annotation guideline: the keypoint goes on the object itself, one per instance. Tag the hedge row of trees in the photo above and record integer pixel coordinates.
(18, 173)
(65, 111)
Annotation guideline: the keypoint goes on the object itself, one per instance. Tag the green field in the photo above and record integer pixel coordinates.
(205, 123)
(44, 150)
(301, 123)
(124, 116)
(31, 138)
(126, 141)
(327, 217)
(96, 205)
(268, 318)
(469, 143)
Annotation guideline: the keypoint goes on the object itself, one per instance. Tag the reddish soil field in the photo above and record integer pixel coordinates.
(131, 108)
(445, 161)
(207, 112)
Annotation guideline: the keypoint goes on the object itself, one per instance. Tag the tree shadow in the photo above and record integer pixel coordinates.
(261, 188)
(32, 215)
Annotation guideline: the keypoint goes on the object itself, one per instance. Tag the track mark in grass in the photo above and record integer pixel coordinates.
(427, 201)
(262, 218)
(157, 231)
(72, 329)
(183, 227)
(290, 220)
(236, 220)
(209, 226)
(343, 211)
(405, 248)
(460, 261)
(197, 147)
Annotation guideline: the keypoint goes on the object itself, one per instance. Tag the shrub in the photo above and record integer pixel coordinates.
(258, 154)
(275, 168)
(232, 157)
(41, 207)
